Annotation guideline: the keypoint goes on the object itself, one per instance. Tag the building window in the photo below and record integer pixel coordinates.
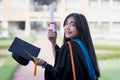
(93, 26)
(105, 2)
(17, 3)
(73, 4)
(38, 5)
(16, 25)
(37, 25)
(93, 5)
(116, 27)
(105, 24)
(105, 5)
(116, 5)
(16, 28)
(98, 28)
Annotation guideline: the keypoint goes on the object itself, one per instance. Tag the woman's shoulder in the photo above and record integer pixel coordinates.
(73, 43)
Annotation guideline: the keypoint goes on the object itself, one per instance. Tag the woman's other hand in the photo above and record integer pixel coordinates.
(52, 37)
(40, 61)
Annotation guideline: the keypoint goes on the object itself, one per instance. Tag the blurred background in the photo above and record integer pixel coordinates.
(29, 19)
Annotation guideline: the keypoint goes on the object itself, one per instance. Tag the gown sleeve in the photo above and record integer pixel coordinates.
(50, 72)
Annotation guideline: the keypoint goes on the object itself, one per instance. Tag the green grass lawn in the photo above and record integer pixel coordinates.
(110, 69)
(8, 68)
(4, 43)
(108, 55)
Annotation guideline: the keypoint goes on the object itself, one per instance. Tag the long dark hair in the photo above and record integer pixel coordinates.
(84, 35)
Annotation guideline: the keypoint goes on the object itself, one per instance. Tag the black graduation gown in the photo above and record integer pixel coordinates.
(62, 69)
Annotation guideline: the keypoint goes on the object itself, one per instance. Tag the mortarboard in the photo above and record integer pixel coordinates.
(23, 51)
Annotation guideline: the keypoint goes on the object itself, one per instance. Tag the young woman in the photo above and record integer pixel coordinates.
(75, 30)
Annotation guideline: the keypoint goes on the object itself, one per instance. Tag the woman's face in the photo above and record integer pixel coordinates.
(70, 28)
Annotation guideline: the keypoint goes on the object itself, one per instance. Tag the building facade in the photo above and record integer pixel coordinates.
(27, 15)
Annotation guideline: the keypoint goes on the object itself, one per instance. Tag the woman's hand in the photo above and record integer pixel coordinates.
(52, 37)
(40, 61)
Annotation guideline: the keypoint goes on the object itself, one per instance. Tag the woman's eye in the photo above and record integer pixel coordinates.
(73, 24)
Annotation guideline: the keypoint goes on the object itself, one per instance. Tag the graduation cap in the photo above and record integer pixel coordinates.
(23, 51)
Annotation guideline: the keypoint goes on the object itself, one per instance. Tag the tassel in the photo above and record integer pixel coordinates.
(35, 67)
